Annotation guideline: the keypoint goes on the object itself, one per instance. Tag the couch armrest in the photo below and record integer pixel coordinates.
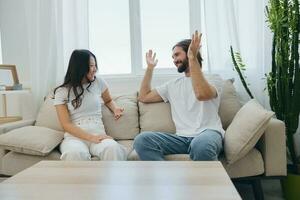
(17, 124)
(273, 148)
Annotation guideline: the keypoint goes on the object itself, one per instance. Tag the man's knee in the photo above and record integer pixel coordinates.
(141, 140)
(205, 151)
(75, 155)
(206, 154)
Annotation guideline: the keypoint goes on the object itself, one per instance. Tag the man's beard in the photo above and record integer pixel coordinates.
(184, 66)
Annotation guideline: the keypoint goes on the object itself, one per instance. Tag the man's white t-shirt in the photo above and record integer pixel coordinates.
(91, 100)
(190, 115)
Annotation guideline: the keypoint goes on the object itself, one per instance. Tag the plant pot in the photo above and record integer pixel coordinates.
(291, 186)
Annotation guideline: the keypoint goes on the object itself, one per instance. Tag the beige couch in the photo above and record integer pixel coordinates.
(267, 158)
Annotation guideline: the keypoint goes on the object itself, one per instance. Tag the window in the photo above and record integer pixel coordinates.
(121, 32)
(109, 35)
(163, 24)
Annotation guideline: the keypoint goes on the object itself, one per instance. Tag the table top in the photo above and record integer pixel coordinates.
(121, 180)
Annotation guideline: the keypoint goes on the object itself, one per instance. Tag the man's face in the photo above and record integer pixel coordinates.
(180, 59)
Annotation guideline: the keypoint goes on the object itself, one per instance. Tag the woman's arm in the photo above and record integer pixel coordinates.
(118, 112)
(68, 126)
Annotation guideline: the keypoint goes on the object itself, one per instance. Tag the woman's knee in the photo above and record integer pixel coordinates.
(110, 144)
(75, 155)
(113, 151)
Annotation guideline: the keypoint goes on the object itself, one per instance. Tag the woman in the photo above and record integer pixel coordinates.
(78, 106)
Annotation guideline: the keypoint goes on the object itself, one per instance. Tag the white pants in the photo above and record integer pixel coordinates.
(73, 148)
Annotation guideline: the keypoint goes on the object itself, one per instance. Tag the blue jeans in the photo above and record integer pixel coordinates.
(155, 145)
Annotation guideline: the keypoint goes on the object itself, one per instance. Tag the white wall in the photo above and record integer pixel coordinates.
(132, 84)
(14, 52)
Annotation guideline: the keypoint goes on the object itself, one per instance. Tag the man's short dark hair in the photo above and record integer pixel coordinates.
(184, 44)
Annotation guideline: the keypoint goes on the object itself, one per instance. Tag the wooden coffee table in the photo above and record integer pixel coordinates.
(121, 180)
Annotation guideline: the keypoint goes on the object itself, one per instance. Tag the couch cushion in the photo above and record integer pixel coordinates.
(127, 127)
(13, 163)
(47, 116)
(229, 104)
(33, 140)
(251, 164)
(245, 130)
(156, 117)
(128, 144)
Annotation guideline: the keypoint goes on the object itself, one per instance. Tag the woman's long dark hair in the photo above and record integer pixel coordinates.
(78, 68)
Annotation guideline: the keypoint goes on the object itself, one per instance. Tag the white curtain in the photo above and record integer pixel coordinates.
(44, 33)
(239, 23)
(0, 49)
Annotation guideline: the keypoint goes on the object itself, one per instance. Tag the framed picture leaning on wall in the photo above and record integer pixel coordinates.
(8, 76)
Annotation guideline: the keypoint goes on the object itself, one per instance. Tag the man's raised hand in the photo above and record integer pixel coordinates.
(195, 45)
(150, 59)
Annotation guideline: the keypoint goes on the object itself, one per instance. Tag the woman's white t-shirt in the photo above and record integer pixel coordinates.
(91, 100)
(190, 115)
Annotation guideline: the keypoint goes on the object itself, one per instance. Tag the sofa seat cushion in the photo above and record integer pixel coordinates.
(13, 163)
(33, 140)
(251, 164)
(128, 144)
(175, 157)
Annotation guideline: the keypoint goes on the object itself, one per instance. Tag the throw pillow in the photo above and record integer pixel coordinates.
(156, 117)
(127, 127)
(47, 116)
(33, 140)
(247, 127)
(229, 103)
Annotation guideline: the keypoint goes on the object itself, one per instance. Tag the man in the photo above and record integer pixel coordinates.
(194, 105)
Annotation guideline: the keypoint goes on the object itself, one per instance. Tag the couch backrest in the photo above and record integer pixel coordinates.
(139, 116)
(157, 116)
(47, 116)
(127, 127)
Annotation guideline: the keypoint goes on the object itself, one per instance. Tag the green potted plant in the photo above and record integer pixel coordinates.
(283, 82)
(239, 67)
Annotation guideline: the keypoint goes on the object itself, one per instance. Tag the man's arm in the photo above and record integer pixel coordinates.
(146, 94)
(203, 90)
